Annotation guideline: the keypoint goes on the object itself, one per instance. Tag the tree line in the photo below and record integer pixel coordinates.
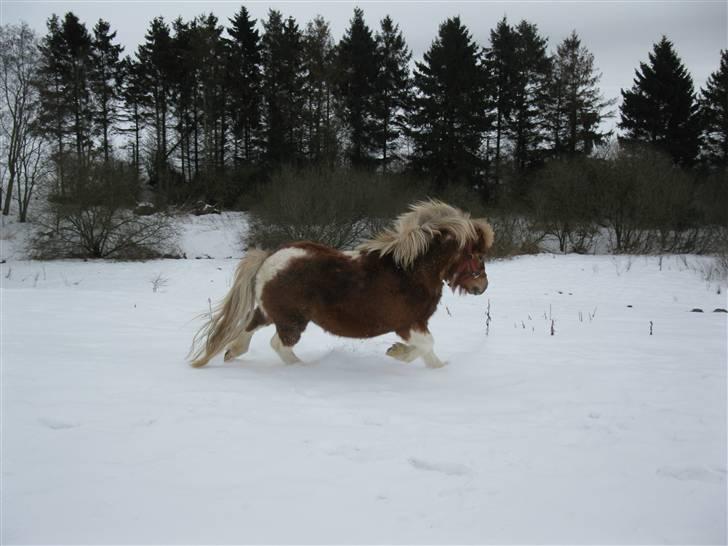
(203, 108)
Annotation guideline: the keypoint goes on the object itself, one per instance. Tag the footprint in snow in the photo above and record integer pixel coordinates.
(56, 424)
(693, 473)
(451, 469)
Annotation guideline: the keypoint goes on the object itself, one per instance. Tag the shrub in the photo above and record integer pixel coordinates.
(334, 207)
(514, 235)
(564, 202)
(92, 218)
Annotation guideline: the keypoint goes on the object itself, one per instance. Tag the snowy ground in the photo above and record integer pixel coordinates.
(601, 433)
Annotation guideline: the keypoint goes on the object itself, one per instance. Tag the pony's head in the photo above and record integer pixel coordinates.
(464, 243)
(467, 271)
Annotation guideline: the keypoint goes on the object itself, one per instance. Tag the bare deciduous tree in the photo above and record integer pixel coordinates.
(22, 150)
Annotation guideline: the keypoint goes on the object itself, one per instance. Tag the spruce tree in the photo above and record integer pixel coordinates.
(393, 97)
(661, 107)
(714, 114)
(282, 89)
(208, 57)
(244, 83)
(357, 68)
(51, 82)
(501, 70)
(105, 75)
(532, 67)
(319, 82)
(183, 93)
(65, 92)
(576, 107)
(157, 70)
(133, 116)
(449, 112)
(78, 45)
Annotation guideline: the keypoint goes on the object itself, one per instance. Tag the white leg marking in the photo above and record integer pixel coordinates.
(272, 266)
(286, 353)
(240, 346)
(420, 344)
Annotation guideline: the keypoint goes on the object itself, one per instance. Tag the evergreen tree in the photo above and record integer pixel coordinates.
(318, 53)
(449, 114)
(500, 68)
(184, 96)
(393, 97)
(575, 108)
(282, 88)
(51, 82)
(661, 107)
(244, 83)
(65, 93)
(357, 68)
(208, 57)
(714, 114)
(105, 76)
(531, 71)
(133, 114)
(77, 42)
(157, 70)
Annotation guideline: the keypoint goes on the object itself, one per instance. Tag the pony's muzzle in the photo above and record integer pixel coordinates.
(476, 290)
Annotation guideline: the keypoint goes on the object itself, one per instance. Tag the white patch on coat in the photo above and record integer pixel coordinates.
(353, 254)
(275, 263)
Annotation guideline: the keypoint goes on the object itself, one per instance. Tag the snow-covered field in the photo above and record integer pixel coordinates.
(601, 433)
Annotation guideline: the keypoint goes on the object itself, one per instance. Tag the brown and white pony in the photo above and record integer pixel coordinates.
(391, 283)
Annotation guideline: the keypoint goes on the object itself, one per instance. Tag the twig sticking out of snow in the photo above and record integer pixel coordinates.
(487, 319)
(159, 282)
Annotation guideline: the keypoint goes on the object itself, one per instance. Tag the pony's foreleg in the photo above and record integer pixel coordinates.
(419, 344)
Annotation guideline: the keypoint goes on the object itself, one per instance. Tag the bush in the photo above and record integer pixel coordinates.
(92, 218)
(514, 235)
(334, 207)
(563, 199)
(649, 204)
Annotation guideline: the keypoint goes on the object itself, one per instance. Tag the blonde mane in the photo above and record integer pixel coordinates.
(412, 232)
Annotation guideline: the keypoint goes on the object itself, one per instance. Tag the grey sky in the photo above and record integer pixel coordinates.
(619, 33)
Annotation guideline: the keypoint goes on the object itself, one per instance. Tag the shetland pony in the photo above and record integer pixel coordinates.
(391, 283)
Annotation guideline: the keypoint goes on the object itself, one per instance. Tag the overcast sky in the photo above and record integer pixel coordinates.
(620, 33)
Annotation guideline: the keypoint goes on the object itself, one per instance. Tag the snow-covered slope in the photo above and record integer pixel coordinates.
(601, 433)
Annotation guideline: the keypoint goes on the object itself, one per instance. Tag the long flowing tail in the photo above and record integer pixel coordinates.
(230, 317)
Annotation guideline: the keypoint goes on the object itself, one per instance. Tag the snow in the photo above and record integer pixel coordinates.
(601, 433)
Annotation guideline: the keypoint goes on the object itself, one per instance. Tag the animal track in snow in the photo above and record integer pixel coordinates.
(451, 469)
(56, 424)
(693, 473)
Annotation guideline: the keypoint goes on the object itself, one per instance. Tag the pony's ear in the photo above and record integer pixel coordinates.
(486, 232)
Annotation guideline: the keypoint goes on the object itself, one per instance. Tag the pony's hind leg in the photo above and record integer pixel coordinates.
(285, 352)
(286, 336)
(240, 346)
(419, 344)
